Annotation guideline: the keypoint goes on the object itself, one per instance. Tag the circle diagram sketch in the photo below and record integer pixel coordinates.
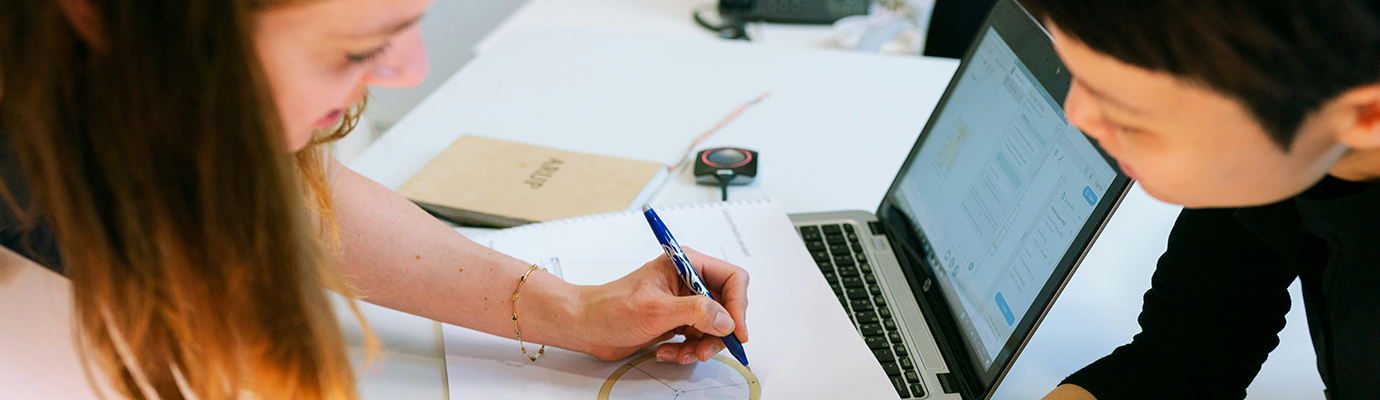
(719, 378)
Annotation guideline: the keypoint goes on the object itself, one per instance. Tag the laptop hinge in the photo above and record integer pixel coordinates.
(948, 383)
(876, 228)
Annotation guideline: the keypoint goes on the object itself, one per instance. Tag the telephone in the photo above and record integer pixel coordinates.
(794, 11)
(733, 15)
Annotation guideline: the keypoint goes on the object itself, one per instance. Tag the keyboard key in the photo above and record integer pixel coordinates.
(881, 301)
(856, 294)
(875, 342)
(888, 323)
(843, 260)
(852, 282)
(825, 266)
(810, 233)
(839, 249)
(834, 229)
(885, 312)
(870, 278)
(862, 258)
(820, 255)
(911, 377)
(862, 305)
(848, 228)
(857, 247)
(917, 390)
(852, 238)
(875, 290)
(831, 277)
(900, 350)
(838, 289)
(894, 336)
(848, 270)
(891, 368)
(871, 330)
(907, 364)
(883, 355)
(815, 245)
(866, 317)
(901, 388)
(834, 239)
(865, 267)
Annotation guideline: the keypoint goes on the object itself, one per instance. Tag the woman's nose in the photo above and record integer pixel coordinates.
(1083, 113)
(404, 65)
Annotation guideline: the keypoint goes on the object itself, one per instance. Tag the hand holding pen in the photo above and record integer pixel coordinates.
(652, 305)
(689, 275)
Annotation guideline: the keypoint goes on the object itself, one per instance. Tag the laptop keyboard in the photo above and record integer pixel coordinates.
(839, 255)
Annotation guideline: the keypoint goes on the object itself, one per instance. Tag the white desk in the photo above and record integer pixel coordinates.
(833, 134)
(837, 125)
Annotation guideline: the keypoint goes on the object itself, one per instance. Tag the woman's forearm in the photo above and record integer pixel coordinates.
(400, 257)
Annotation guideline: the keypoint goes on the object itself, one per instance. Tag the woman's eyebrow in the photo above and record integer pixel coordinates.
(1100, 95)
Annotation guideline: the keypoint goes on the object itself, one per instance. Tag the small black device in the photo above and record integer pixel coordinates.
(725, 166)
(807, 11)
(735, 14)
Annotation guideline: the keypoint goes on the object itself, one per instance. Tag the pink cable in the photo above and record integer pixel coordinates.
(731, 116)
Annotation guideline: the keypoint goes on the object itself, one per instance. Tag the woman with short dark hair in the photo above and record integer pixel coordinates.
(1262, 118)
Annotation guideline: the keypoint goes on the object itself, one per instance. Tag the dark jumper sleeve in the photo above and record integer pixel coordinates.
(23, 228)
(1213, 313)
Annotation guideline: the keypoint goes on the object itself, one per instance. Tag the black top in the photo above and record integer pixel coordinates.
(23, 228)
(1219, 295)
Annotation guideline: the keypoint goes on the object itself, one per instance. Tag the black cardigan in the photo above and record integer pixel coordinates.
(23, 227)
(1219, 295)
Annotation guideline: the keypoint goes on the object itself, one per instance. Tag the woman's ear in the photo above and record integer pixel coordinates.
(82, 15)
(1361, 106)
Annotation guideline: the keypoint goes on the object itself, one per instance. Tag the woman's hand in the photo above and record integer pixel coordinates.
(651, 305)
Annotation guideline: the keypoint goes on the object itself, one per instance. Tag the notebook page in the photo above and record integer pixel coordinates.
(802, 344)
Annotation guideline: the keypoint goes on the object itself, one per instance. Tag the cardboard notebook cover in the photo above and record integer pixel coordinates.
(488, 182)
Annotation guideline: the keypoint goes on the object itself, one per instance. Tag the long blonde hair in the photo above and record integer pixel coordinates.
(198, 250)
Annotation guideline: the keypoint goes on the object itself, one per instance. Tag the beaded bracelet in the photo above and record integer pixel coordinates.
(515, 315)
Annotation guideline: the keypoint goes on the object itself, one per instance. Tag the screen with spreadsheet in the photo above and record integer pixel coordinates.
(999, 189)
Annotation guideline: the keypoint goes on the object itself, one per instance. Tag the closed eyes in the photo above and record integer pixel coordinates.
(367, 56)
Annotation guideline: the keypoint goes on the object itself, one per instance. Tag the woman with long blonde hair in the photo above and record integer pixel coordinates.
(167, 157)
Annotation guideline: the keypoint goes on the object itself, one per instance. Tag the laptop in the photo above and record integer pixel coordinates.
(995, 206)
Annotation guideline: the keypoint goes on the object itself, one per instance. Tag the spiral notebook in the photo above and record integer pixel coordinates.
(802, 344)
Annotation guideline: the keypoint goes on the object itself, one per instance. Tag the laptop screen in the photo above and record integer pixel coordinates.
(998, 192)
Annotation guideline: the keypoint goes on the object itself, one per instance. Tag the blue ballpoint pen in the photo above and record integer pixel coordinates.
(688, 274)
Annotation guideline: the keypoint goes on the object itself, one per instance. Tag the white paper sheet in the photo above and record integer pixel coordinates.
(802, 345)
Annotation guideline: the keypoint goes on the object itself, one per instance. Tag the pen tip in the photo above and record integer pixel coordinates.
(646, 207)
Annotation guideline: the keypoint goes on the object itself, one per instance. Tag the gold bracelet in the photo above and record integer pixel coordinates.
(515, 315)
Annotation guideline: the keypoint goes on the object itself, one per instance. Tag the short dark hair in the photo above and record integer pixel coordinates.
(1282, 58)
